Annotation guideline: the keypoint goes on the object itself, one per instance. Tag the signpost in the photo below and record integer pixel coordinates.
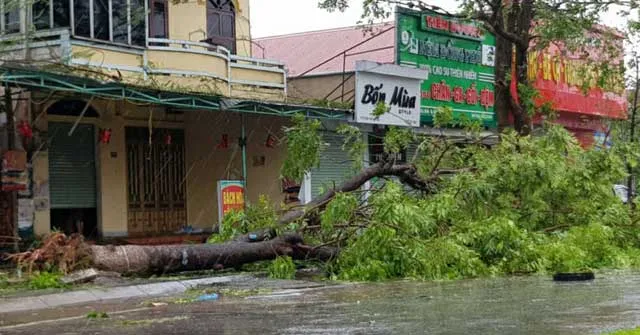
(460, 59)
(230, 197)
(397, 87)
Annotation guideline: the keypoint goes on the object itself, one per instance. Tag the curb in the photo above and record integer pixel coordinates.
(95, 295)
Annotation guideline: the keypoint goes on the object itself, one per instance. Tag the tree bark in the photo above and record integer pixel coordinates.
(504, 54)
(406, 172)
(523, 27)
(133, 259)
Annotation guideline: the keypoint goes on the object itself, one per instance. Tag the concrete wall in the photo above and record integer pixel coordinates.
(188, 21)
(206, 164)
(318, 87)
(243, 29)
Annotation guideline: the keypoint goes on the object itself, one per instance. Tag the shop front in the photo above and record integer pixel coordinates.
(108, 167)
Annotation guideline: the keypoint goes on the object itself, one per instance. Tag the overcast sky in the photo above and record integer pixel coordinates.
(278, 17)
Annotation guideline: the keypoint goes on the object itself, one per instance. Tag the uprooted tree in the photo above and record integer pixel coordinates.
(454, 209)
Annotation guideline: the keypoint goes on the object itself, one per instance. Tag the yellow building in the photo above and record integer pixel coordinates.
(138, 109)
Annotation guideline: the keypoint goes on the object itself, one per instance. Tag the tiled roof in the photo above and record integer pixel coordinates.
(304, 51)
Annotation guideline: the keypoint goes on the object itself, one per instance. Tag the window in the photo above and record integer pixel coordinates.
(11, 12)
(81, 18)
(138, 31)
(376, 149)
(101, 20)
(158, 19)
(61, 13)
(40, 14)
(221, 21)
(120, 21)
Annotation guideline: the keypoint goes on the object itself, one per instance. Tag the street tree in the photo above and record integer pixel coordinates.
(519, 26)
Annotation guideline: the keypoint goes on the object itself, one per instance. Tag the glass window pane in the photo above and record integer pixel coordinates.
(40, 14)
(61, 13)
(213, 24)
(81, 18)
(158, 20)
(137, 22)
(12, 16)
(227, 25)
(120, 28)
(101, 19)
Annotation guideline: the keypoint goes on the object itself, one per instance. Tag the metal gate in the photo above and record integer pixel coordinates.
(335, 165)
(72, 166)
(156, 181)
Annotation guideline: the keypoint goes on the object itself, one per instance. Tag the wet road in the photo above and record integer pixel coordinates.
(533, 305)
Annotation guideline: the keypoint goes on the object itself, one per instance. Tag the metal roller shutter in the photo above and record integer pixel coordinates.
(72, 169)
(335, 165)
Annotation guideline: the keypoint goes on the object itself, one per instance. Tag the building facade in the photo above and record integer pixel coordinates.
(136, 110)
(327, 69)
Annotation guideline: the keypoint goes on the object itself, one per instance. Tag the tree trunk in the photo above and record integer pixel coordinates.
(504, 54)
(523, 28)
(406, 172)
(133, 259)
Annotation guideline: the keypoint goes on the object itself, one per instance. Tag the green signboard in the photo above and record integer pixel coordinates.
(460, 58)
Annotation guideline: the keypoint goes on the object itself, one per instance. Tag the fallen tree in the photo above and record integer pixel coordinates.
(71, 253)
(517, 208)
(131, 259)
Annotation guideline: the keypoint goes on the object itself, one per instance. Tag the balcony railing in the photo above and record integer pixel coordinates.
(187, 65)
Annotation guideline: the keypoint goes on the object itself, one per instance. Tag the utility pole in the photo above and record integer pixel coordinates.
(632, 181)
(11, 145)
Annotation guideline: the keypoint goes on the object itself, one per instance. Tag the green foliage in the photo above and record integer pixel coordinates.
(339, 211)
(329, 103)
(397, 139)
(97, 315)
(45, 280)
(353, 144)
(282, 268)
(255, 217)
(528, 96)
(380, 109)
(635, 331)
(443, 117)
(529, 205)
(304, 145)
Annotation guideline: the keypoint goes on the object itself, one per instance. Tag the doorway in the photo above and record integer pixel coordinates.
(72, 178)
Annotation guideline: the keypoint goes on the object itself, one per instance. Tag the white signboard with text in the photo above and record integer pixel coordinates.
(396, 86)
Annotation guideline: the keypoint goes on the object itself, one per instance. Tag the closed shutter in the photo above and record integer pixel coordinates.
(72, 169)
(335, 165)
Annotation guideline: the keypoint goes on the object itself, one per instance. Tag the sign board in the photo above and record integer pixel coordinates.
(460, 58)
(395, 86)
(572, 84)
(14, 171)
(230, 197)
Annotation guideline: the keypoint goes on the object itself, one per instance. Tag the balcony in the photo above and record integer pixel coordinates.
(176, 65)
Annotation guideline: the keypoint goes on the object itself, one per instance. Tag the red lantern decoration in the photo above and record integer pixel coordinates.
(224, 143)
(105, 136)
(271, 141)
(167, 139)
(25, 129)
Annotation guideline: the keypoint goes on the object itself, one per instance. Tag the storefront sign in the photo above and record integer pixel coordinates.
(230, 197)
(14, 171)
(459, 57)
(396, 87)
(573, 85)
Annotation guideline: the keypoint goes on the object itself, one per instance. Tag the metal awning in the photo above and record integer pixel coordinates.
(47, 81)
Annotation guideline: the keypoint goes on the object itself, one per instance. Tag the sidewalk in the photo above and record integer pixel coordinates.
(122, 292)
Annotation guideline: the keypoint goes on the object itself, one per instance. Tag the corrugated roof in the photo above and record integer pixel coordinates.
(303, 51)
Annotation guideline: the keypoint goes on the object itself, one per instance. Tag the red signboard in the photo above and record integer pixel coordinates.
(230, 197)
